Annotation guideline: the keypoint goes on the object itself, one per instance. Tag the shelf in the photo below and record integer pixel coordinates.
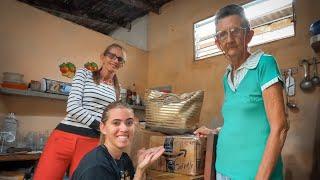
(19, 157)
(138, 107)
(32, 93)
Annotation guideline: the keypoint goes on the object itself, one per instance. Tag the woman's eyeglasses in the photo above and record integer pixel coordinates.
(234, 32)
(114, 57)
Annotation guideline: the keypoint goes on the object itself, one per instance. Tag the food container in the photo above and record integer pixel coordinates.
(35, 85)
(12, 77)
(55, 87)
(12, 85)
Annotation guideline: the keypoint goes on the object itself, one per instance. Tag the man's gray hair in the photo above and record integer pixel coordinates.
(233, 9)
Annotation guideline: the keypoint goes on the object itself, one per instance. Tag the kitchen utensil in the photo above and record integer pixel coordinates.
(315, 28)
(290, 104)
(315, 79)
(290, 88)
(290, 84)
(306, 84)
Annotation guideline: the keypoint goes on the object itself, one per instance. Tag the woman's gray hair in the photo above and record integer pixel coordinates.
(230, 10)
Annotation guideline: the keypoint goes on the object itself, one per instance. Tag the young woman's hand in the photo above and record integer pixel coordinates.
(204, 131)
(148, 156)
(145, 158)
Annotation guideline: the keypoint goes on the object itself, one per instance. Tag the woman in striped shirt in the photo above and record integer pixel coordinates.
(79, 132)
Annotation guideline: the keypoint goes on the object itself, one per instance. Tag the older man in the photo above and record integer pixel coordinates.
(254, 129)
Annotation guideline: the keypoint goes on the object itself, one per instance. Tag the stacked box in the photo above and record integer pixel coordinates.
(184, 154)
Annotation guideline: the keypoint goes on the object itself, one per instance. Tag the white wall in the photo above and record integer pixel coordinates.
(137, 36)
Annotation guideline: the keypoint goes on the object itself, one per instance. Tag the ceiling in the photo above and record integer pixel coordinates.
(103, 16)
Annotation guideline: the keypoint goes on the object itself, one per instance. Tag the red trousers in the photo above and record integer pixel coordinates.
(62, 150)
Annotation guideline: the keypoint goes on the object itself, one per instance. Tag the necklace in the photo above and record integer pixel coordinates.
(109, 81)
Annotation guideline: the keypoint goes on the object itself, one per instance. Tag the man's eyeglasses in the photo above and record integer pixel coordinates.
(114, 57)
(234, 32)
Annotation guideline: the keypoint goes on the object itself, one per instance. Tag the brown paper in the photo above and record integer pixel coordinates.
(183, 154)
(140, 140)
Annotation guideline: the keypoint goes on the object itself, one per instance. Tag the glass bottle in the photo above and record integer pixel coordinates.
(134, 94)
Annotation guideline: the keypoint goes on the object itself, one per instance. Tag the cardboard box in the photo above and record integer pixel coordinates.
(140, 140)
(160, 175)
(183, 154)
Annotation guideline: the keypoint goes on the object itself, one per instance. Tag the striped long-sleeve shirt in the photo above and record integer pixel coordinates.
(86, 103)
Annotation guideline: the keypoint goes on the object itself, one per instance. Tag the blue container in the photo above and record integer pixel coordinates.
(315, 28)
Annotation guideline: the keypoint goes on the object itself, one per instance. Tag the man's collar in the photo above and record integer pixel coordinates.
(251, 62)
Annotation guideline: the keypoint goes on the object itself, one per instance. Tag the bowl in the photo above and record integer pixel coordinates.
(12, 77)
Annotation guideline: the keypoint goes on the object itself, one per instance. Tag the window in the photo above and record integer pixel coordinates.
(271, 20)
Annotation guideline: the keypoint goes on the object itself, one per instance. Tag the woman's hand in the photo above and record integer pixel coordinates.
(145, 158)
(204, 131)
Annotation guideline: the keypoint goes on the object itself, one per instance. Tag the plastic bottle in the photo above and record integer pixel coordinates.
(138, 101)
(10, 125)
(129, 96)
(123, 95)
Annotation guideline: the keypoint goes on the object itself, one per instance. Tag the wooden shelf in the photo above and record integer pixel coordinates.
(19, 157)
(8, 91)
(31, 93)
(138, 107)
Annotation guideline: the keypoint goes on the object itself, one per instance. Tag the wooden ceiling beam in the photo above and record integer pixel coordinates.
(84, 6)
(141, 5)
(82, 20)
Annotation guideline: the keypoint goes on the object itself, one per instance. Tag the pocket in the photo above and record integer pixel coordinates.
(64, 146)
